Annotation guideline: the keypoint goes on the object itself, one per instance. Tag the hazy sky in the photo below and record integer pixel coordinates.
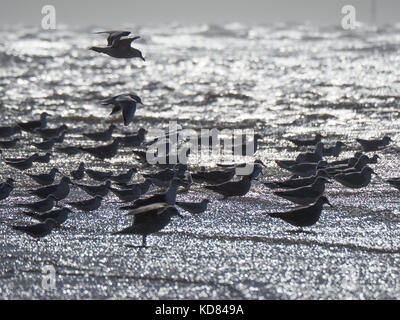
(117, 12)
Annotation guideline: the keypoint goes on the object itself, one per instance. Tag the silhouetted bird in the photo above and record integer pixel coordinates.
(60, 190)
(194, 207)
(31, 126)
(79, 173)
(9, 131)
(150, 219)
(23, 164)
(40, 206)
(44, 178)
(373, 145)
(103, 152)
(300, 142)
(302, 216)
(120, 48)
(114, 35)
(355, 180)
(8, 144)
(124, 177)
(101, 135)
(58, 215)
(99, 175)
(100, 190)
(87, 205)
(6, 188)
(38, 230)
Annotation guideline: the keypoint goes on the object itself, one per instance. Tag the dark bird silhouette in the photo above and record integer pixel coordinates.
(120, 48)
(101, 135)
(31, 126)
(194, 207)
(44, 179)
(302, 142)
(58, 215)
(114, 35)
(38, 230)
(87, 205)
(40, 206)
(60, 190)
(6, 188)
(303, 216)
(103, 152)
(79, 173)
(374, 145)
(100, 190)
(150, 219)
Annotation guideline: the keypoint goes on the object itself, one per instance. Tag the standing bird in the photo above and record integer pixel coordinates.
(45, 145)
(99, 175)
(31, 126)
(87, 205)
(38, 230)
(60, 190)
(374, 145)
(49, 133)
(102, 135)
(302, 216)
(124, 177)
(300, 142)
(150, 219)
(134, 140)
(103, 152)
(127, 195)
(305, 195)
(40, 206)
(333, 151)
(44, 179)
(355, 180)
(59, 215)
(120, 48)
(100, 190)
(194, 207)
(43, 159)
(79, 173)
(24, 163)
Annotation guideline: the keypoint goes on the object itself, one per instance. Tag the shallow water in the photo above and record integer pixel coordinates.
(280, 80)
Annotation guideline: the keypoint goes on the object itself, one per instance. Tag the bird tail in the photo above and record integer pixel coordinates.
(97, 49)
(270, 185)
(274, 214)
(19, 228)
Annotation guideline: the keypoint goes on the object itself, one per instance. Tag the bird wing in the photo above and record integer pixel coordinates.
(118, 43)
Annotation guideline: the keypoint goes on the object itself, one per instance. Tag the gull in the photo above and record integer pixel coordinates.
(373, 145)
(127, 195)
(45, 145)
(6, 188)
(59, 191)
(355, 180)
(311, 156)
(134, 140)
(395, 182)
(99, 175)
(144, 186)
(87, 205)
(103, 152)
(296, 183)
(232, 189)
(305, 195)
(31, 126)
(102, 135)
(215, 176)
(40, 206)
(114, 35)
(124, 177)
(44, 178)
(69, 150)
(168, 197)
(6, 132)
(194, 207)
(306, 169)
(23, 164)
(313, 142)
(43, 159)
(302, 216)
(49, 133)
(8, 144)
(357, 155)
(361, 163)
(100, 190)
(150, 219)
(120, 48)
(58, 215)
(38, 230)
(161, 178)
(128, 106)
(333, 151)
(79, 173)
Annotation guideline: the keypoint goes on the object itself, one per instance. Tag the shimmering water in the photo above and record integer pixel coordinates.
(279, 80)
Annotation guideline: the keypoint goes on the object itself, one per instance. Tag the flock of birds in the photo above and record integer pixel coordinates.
(310, 172)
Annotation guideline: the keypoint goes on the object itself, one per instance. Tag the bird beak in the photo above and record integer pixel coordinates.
(143, 59)
(330, 204)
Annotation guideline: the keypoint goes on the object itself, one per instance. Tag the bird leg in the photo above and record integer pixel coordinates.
(144, 243)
